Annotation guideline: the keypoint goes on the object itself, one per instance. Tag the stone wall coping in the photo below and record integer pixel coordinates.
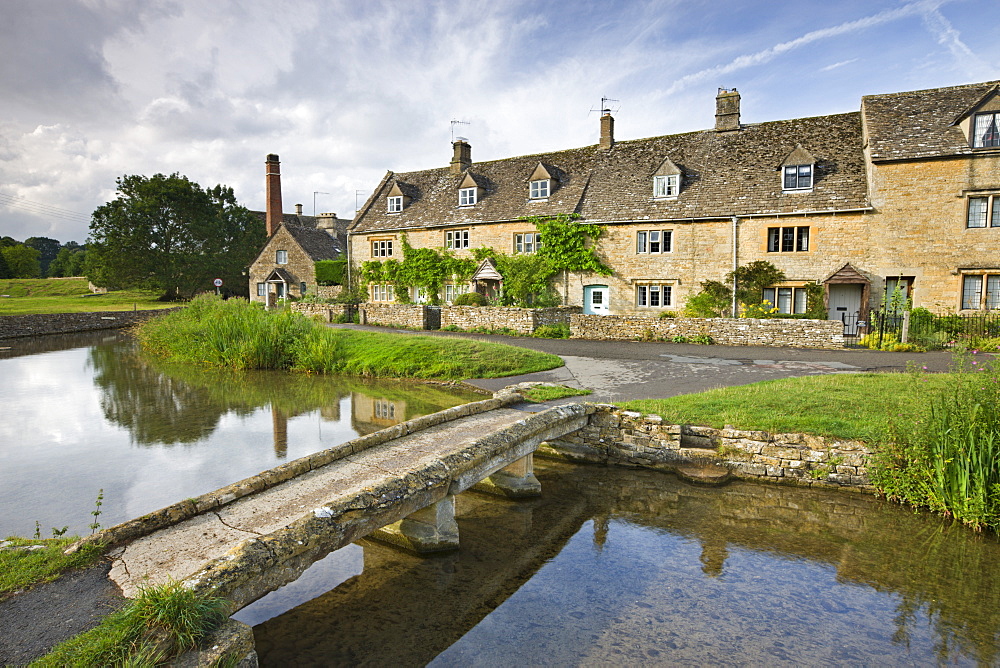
(40, 324)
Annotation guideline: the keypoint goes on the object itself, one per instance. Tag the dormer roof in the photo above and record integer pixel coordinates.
(469, 181)
(540, 173)
(667, 168)
(798, 156)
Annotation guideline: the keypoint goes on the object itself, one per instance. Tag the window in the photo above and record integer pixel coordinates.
(982, 209)
(383, 293)
(450, 292)
(973, 297)
(281, 257)
(986, 130)
(394, 204)
(419, 295)
(798, 177)
(787, 300)
(384, 409)
(527, 243)
(653, 295)
(787, 239)
(666, 186)
(539, 189)
(262, 289)
(456, 239)
(466, 196)
(653, 241)
(382, 248)
(302, 288)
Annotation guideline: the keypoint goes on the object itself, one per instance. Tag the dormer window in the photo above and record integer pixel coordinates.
(539, 189)
(466, 196)
(396, 200)
(798, 177)
(986, 130)
(666, 186)
(394, 204)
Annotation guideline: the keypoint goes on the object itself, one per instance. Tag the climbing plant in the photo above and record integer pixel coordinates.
(525, 278)
(426, 268)
(564, 243)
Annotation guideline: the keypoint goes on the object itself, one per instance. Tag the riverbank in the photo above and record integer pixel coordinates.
(19, 326)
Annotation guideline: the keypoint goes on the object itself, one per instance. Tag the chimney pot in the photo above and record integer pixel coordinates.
(607, 130)
(298, 209)
(727, 110)
(273, 215)
(462, 157)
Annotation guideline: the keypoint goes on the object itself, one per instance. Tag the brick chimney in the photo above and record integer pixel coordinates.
(273, 217)
(462, 158)
(727, 110)
(607, 129)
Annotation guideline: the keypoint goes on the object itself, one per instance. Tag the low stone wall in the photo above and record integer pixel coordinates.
(329, 312)
(13, 326)
(329, 291)
(412, 316)
(521, 320)
(793, 332)
(627, 438)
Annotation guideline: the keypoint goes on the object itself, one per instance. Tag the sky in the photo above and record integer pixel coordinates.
(344, 90)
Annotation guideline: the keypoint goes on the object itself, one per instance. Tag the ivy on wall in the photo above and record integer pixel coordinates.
(426, 268)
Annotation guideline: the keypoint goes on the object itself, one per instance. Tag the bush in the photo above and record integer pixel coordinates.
(556, 331)
(331, 272)
(470, 299)
(668, 314)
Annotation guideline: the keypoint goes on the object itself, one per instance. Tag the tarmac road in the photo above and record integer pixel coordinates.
(624, 370)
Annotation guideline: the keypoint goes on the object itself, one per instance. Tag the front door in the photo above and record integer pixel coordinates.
(845, 305)
(596, 300)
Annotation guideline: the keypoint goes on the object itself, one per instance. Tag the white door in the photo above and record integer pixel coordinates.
(596, 300)
(845, 305)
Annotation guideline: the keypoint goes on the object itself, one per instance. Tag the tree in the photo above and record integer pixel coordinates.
(166, 233)
(715, 299)
(48, 248)
(69, 261)
(22, 261)
(5, 271)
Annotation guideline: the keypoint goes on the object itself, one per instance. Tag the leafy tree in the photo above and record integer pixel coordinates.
(331, 272)
(5, 271)
(715, 298)
(48, 248)
(6, 242)
(22, 261)
(69, 261)
(166, 233)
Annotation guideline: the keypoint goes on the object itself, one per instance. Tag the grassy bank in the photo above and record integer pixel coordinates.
(240, 335)
(23, 568)
(28, 296)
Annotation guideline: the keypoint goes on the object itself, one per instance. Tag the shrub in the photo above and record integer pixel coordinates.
(679, 338)
(470, 299)
(667, 314)
(331, 272)
(559, 330)
(703, 339)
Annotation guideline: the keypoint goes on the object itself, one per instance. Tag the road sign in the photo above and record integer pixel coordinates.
(217, 282)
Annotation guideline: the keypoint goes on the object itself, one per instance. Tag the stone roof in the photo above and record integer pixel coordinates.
(723, 174)
(921, 123)
(290, 219)
(317, 244)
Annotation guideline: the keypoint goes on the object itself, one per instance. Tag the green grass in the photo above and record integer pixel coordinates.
(23, 568)
(161, 622)
(236, 334)
(30, 296)
(855, 406)
(541, 393)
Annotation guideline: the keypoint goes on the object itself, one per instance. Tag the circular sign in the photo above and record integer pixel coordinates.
(217, 282)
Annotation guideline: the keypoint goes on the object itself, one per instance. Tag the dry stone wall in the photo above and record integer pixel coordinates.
(797, 333)
(13, 326)
(412, 316)
(627, 438)
(328, 312)
(522, 320)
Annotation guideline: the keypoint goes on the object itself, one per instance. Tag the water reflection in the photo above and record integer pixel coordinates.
(624, 567)
(89, 411)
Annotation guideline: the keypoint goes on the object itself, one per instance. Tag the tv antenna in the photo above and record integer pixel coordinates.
(606, 106)
(455, 122)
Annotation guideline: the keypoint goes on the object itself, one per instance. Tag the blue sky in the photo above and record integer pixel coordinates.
(345, 90)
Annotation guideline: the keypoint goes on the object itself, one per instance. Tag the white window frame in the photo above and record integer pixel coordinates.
(527, 243)
(778, 240)
(450, 292)
(800, 177)
(467, 196)
(788, 298)
(262, 289)
(539, 189)
(666, 186)
(383, 292)
(983, 211)
(654, 242)
(981, 292)
(986, 130)
(456, 239)
(281, 257)
(654, 295)
(394, 204)
(381, 247)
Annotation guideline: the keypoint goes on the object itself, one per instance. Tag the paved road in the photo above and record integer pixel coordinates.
(623, 370)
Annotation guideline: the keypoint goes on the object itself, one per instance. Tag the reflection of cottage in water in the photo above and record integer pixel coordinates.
(374, 413)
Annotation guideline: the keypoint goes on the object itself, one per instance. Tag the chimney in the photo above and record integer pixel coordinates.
(462, 159)
(607, 129)
(273, 217)
(298, 209)
(727, 110)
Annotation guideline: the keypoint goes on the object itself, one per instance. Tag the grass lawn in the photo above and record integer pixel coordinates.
(68, 295)
(855, 406)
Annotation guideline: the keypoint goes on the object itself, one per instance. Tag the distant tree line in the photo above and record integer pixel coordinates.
(40, 257)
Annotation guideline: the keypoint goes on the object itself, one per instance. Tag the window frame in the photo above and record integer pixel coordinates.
(468, 196)
(797, 177)
(989, 216)
(666, 186)
(987, 294)
(797, 299)
(394, 204)
(991, 131)
(382, 247)
(525, 246)
(262, 289)
(791, 239)
(456, 239)
(383, 292)
(539, 189)
(644, 242)
(649, 292)
(281, 256)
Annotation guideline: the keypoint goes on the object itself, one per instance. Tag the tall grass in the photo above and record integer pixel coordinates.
(948, 457)
(239, 335)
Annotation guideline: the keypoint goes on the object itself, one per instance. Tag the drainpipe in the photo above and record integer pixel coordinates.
(735, 306)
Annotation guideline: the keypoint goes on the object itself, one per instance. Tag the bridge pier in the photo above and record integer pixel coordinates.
(515, 481)
(430, 529)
